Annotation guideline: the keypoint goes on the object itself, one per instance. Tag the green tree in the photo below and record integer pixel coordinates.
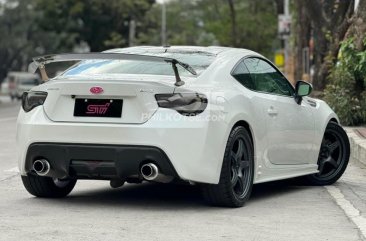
(239, 23)
(21, 37)
(248, 24)
(328, 21)
(101, 24)
(345, 92)
(185, 25)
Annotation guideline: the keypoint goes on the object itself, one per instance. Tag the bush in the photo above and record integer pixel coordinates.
(345, 92)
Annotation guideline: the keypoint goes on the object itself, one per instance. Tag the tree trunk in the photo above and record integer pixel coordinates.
(329, 23)
(357, 29)
(302, 37)
(233, 23)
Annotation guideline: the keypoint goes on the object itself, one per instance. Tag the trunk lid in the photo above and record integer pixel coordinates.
(137, 95)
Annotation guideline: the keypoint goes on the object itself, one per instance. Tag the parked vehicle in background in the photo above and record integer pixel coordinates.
(16, 83)
(4, 87)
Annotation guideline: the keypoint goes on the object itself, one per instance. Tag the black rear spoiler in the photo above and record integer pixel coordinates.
(41, 61)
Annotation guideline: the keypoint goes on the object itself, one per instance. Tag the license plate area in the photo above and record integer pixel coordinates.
(98, 107)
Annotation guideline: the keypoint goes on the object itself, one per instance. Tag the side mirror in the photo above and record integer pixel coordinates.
(302, 89)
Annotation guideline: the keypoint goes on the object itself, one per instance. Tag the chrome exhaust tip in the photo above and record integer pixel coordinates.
(41, 167)
(149, 171)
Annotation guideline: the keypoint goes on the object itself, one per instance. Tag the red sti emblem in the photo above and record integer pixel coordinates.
(96, 90)
(98, 109)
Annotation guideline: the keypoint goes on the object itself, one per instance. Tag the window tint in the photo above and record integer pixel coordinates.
(241, 74)
(266, 78)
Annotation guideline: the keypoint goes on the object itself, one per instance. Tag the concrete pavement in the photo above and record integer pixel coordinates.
(8, 113)
(277, 211)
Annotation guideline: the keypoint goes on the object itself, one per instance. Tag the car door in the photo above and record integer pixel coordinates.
(289, 126)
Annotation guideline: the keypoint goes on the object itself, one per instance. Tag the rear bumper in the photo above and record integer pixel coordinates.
(92, 161)
(193, 149)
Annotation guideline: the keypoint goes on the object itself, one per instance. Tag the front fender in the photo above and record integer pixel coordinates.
(323, 114)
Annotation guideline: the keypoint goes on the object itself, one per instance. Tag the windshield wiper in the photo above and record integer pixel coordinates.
(41, 61)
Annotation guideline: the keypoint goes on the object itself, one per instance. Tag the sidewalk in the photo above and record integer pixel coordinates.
(357, 139)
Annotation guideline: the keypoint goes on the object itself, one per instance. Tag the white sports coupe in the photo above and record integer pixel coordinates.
(222, 118)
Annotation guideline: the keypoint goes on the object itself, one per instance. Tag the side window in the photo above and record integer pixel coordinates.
(266, 78)
(242, 75)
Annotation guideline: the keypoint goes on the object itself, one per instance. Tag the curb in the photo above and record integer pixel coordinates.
(358, 146)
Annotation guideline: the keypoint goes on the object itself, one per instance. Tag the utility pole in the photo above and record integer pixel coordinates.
(132, 33)
(163, 24)
(282, 58)
(286, 40)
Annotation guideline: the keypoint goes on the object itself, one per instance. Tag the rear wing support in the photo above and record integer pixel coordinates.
(41, 61)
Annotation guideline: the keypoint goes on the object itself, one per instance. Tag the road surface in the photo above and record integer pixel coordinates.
(93, 211)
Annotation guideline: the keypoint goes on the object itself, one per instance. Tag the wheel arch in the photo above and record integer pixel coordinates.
(333, 120)
(332, 117)
(323, 115)
(246, 125)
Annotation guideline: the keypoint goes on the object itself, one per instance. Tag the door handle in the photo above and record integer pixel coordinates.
(272, 111)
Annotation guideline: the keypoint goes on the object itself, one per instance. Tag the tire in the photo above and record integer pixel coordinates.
(227, 192)
(333, 156)
(47, 187)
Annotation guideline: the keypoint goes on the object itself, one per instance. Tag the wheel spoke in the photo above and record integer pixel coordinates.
(332, 147)
(233, 156)
(239, 153)
(331, 161)
(234, 178)
(244, 164)
(240, 186)
(321, 167)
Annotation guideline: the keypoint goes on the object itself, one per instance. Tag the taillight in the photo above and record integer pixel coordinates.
(32, 99)
(189, 104)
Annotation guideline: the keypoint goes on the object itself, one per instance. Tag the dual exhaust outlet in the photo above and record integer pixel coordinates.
(42, 167)
(149, 171)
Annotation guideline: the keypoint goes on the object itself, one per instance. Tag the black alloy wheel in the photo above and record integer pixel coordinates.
(333, 156)
(240, 169)
(237, 171)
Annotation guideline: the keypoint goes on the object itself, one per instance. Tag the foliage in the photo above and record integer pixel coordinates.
(208, 22)
(21, 36)
(256, 24)
(345, 92)
(353, 59)
(35, 27)
(100, 24)
(321, 26)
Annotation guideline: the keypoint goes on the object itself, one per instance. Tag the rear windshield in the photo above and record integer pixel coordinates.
(198, 61)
